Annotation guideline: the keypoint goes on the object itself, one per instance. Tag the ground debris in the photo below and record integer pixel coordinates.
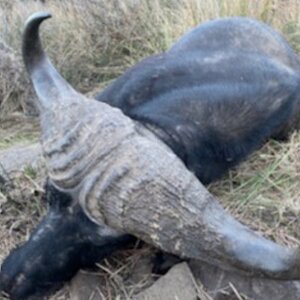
(86, 286)
(178, 283)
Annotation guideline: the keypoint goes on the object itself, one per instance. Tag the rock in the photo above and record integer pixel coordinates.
(140, 276)
(17, 158)
(178, 283)
(228, 285)
(95, 286)
(86, 286)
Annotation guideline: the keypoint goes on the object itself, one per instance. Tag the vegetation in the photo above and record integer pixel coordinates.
(91, 42)
(94, 41)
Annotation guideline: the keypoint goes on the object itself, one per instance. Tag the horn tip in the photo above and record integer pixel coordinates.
(38, 17)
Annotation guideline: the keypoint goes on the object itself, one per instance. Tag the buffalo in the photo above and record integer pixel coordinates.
(133, 164)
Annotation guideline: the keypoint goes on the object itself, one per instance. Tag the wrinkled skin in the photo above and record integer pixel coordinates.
(65, 241)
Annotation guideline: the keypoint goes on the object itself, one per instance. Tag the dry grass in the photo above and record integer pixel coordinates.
(10, 74)
(92, 45)
(17, 129)
(94, 42)
(264, 191)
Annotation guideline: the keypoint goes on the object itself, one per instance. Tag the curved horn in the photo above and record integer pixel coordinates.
(154, 197)
(48, 83)
(122, 175)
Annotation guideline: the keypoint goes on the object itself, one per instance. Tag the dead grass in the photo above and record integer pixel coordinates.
(93, 44)
(9, 66)
(264, 191)
(18, 130)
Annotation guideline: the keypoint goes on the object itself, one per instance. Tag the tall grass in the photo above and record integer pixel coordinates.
(94, 41)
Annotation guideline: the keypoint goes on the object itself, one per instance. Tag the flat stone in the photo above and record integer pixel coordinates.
(86, 286)
(140, 276)
(15, 159)
(178, 283)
